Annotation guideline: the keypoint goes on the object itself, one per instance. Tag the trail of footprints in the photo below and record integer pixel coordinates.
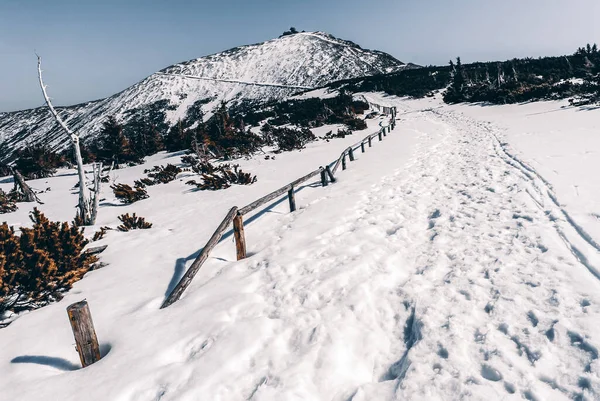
(464, 221)
(482, 241)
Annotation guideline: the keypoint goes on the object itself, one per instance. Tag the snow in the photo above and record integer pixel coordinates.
(574, 81)
(438, 266)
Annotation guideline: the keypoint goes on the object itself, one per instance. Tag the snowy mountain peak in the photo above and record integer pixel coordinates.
(245, 75)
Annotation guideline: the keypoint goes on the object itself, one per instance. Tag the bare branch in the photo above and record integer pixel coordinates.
(74, 137)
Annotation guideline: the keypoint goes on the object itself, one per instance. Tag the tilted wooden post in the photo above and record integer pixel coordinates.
(240, 238)
(351, 154)
(292, 199)
(84, 333)
(329, 173)
(344, 162)
(323, 178)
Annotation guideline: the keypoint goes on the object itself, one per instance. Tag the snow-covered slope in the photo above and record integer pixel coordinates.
(249, 74)
(439, 266)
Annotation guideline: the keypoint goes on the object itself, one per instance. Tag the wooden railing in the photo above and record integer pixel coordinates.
(235, 215)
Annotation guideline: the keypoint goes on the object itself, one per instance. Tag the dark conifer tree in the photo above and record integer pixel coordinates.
(38, 161)
(113, 145)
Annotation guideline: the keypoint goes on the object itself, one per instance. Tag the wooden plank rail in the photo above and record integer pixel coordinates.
(259, 202)
(199, 261)
(235, 215)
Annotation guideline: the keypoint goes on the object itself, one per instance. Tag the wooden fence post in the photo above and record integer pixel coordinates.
(292, 199)
(380, 138)
(362, 147)
(84, 333)
(344, 162)
(323, 178)
(330, 174)
(370, 145)
(351, 154)
(240, 238)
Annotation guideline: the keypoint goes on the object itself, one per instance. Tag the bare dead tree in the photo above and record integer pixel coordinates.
(88, 206)
(28, 194)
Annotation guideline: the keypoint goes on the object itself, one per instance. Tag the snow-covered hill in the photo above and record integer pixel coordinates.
(249, 74)
(455, 260)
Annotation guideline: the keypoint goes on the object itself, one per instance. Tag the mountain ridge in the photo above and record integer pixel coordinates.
(250, 75)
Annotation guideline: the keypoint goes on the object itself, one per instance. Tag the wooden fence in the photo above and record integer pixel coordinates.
(235, 214)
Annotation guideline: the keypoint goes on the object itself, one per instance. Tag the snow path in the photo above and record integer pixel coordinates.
(440, 266)
(485, 305)
(488, 269)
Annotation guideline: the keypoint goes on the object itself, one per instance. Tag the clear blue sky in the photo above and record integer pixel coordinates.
(95, 48)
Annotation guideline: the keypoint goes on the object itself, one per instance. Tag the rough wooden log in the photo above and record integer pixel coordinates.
(83, 330)
(292, 199)
(240, 238)
(95, 250)
(197, 264)
(22, 185)
(330, 174)
(351, 154)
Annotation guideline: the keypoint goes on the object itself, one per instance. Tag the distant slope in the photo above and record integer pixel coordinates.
(244, 75)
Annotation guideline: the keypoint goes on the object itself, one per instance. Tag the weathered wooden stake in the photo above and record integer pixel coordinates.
(362, 147)
(344, 162)
(330, 174)
(370, 145)
(84, 333)
(380, 138)
(240, 238)
(323, 178)
(384, 129)
(351, 154)
(292, 199)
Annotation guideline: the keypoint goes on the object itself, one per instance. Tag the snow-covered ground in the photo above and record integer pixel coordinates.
(448, 262)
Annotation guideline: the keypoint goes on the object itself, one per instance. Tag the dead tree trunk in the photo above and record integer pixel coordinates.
(28, 194)
(87, 206)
